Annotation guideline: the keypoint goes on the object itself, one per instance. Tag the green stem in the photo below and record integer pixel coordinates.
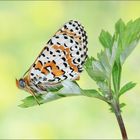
(116, 107)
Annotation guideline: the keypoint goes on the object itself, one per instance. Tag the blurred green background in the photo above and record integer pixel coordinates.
(25, 27)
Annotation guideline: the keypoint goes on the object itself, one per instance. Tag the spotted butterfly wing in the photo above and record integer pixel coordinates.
(62, 58)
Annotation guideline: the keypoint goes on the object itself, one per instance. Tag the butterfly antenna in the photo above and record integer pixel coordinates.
(26, 72)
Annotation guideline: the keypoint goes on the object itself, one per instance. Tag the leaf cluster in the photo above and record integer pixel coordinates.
(107, 68)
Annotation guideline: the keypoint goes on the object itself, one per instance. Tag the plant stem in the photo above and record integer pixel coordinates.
(116, 107)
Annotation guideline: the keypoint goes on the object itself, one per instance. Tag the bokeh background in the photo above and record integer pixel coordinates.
(25, 26)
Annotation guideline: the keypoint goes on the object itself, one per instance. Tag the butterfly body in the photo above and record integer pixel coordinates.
(62, 58)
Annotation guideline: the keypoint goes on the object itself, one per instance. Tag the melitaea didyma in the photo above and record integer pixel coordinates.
(62, 58)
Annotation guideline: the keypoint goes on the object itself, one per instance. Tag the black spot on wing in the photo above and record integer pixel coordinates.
(32, 74)
(43, 54)
(65, 77)
(71, 75)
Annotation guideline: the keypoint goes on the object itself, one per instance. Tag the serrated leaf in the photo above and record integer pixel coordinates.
(30, 101)
(127, 51)
(126, 87)
(132, 31)
(127, 36)
(106, 39)
(101, 69)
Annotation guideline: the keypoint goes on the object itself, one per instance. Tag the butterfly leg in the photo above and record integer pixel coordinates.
(33, 94)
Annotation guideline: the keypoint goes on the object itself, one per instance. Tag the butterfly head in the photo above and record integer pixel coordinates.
(21, 83)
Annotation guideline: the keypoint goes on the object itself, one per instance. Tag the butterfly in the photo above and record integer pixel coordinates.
(62, 58)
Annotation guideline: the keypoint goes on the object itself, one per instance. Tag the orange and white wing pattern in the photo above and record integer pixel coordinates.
(62, 57)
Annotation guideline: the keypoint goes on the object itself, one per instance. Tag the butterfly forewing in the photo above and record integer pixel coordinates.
(62, 57)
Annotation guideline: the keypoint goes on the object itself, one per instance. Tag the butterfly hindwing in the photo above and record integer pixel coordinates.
(62, 57)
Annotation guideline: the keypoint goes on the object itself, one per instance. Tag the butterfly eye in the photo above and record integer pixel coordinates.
(22, 83)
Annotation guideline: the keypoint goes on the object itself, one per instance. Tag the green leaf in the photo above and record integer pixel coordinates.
(104, 60)
(94, 69)
(126, 87)
(69, 89)
(127, 51)
(106, 39)
(122, 105)
(132, 31)
(101, 69)
(30, 101)
(93, 93)
(116, 76)
(128, 37)
(120, 26)
(118, 35)
(104, 88)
